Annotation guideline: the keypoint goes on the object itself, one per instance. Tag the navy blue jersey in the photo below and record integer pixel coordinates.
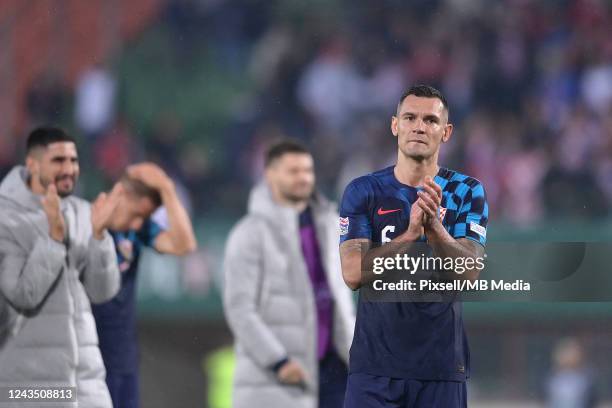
(421, 341)
(116, 319)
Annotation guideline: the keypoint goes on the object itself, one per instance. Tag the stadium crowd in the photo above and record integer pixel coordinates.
(529, 83)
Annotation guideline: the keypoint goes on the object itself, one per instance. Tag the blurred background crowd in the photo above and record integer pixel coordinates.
(203, 86)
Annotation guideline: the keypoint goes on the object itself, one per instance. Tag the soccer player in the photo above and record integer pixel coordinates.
(407, 354)
(56, 257)
(145, 187)
(291, 315)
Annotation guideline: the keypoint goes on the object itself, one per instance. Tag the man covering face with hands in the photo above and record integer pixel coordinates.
(145, 187)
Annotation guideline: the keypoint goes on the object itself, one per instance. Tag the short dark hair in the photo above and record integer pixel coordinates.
(423, 91)
(283, 147)
(46, 135)
(140, 189)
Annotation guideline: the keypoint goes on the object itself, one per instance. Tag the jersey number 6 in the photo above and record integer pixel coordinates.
(384, 238)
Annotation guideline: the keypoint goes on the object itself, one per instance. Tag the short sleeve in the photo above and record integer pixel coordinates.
(149, 232)
(473, 215)
(355, 219)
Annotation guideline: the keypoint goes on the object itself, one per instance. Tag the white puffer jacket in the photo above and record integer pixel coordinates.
(269, 300)
(47, 332)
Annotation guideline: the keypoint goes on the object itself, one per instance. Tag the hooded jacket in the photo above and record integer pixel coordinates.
(269, 301)
(47, 332)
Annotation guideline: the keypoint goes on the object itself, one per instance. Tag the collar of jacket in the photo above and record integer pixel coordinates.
(15, 188)
(262, 203)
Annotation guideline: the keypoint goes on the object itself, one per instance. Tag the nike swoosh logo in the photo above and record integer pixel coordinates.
(383, 212)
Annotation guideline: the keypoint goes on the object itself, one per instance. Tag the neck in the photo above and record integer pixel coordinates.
(412, 172)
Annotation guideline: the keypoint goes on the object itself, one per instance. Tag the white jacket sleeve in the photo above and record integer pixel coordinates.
(101, 277)
(28, 274)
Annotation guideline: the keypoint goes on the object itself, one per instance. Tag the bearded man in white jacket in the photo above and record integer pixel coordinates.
(285, 300)
(55, 258)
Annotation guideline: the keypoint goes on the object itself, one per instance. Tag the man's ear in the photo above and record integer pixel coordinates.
(32, 164)
(448, 131)
(394, 122)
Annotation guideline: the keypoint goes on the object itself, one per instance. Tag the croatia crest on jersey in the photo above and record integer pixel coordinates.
(344, 225)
